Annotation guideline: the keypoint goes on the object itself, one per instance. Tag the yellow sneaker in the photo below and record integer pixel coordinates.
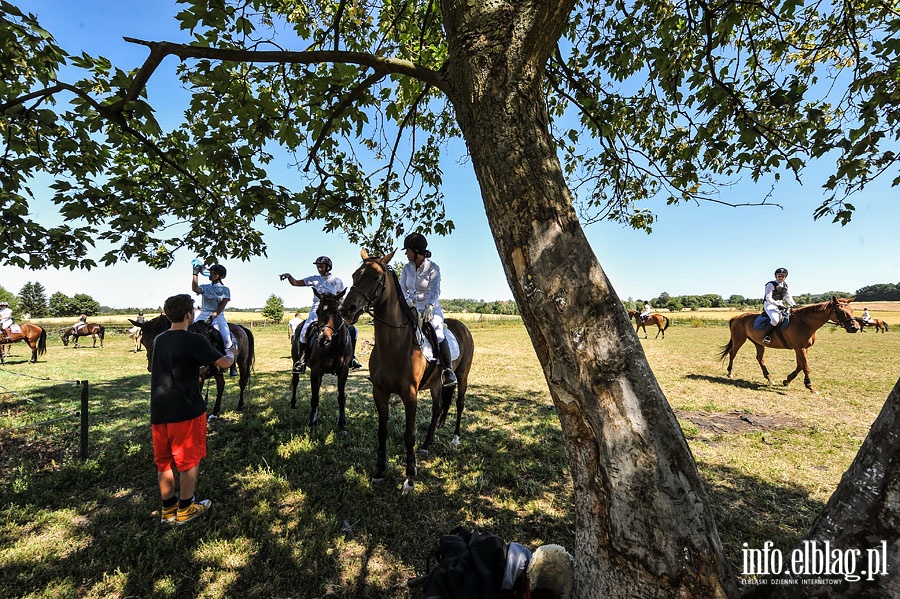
(192, 512)
(167, 515)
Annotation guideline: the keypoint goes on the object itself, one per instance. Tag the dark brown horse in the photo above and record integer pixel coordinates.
(331, 352)
(659, 320)
(244, 354)
(880, 325)
(397, 364)
(798, 336)
(34, 336)
(93, 329)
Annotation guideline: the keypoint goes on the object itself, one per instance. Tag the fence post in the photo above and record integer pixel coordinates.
(84, 420)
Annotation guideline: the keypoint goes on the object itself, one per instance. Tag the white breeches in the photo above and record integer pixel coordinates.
(774, 315)
(312, 318)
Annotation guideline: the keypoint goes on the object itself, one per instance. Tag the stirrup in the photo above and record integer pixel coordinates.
(767, 339)
(300, 366)
(448, 377)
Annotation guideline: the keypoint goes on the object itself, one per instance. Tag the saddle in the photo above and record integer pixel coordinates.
(210, 333)
(762, 321)
(426, 339)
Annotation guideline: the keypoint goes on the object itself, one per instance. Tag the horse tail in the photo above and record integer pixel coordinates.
(726, 350)
(667, 322)
(885, 325)
(42, 343)
(101, 330)
(446, 402)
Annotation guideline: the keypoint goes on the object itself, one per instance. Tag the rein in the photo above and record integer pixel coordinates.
(379, 291)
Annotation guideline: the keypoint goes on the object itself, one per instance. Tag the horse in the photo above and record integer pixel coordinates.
(92, 329)
(397, 364)
(135, 333)
(659, 320)
(798, 336)
(880, 325)
(244, 354)
(34, 336)
(330, 353)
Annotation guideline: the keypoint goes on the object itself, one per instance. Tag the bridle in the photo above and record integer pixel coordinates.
(376, 294)
(334, 330)
(844, 322)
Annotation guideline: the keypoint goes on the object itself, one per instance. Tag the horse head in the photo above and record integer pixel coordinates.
(369, 283)
(328, 316)
(149, 330)
(842, 313)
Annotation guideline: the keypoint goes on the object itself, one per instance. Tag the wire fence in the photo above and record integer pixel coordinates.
(67, 414)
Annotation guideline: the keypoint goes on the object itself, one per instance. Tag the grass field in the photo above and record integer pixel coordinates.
(294, 514)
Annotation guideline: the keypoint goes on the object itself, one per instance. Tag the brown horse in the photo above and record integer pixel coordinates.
(658, 319)
(880, 325)
(798, 336)
(34, 336)
(92, 329)
(397, 364)
(135, 333)
(244, 355)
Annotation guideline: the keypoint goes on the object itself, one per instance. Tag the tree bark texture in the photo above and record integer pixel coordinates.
(643, 525)
(863, 512)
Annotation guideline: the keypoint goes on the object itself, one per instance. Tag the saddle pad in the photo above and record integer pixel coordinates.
(428, 351)
(762, 321)
(14, 328)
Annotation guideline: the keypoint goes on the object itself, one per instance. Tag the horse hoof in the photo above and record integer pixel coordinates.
(212, 417)
(377, 482)
(408, 488)
(423, 451)
(454, 442)
(785, 383)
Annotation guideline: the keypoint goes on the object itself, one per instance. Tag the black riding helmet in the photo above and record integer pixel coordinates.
(324, 260)
(781, 271)
(417, 243)
(219, 269)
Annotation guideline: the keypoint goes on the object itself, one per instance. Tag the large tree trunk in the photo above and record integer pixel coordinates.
(863, 513)
(643, 526)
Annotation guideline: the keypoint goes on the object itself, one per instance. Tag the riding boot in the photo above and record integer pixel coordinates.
(234, 370)
(300, 365)
(448, 376)
(767, 338)
(354, 363)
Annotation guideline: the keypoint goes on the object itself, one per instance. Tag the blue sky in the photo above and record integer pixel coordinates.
(693, 250)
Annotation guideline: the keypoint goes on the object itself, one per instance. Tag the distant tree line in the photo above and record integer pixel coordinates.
(884, 292)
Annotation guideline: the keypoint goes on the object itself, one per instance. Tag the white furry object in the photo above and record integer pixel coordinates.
(553, 569)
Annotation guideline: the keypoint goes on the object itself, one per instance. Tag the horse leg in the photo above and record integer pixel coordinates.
(220, 390)
(644, 326)
(381, 398)
(342, 400)
(738, 337)
(409, 439)
(660, 331)
(760, 357)
(802, 364)
(295, 379)
(436, 395)
(315, 381)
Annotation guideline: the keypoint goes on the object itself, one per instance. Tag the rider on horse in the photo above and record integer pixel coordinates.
(215, 296)
(645, 313)
(324, 282)
(865, 316)
(82, 322)
(421, 286)
(777, 295)
(6, 319)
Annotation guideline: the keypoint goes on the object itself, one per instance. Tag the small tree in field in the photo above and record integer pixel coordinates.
(274, 309)
(85, 304)
(33, 300)
(62, 305)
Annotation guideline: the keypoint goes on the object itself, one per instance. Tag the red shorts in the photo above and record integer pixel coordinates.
(182, 444)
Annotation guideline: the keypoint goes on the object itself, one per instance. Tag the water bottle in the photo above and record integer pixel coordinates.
(197, 262)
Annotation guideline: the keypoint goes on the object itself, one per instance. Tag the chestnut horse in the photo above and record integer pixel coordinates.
(798, 336)
(397, 364)
(659, 320)
(880, 325)
(92, 329)
(244, 354)
(331, 352)
(34, 336)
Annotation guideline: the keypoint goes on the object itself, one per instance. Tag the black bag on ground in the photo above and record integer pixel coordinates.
(470, 565)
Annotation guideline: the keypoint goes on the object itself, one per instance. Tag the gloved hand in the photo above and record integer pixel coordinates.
(427, 313)
(198, 268)
(409, 302)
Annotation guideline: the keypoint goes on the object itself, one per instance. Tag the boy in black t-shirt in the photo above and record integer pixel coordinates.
(177, 409)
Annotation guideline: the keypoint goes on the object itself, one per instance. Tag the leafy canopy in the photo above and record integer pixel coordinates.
(649, 101)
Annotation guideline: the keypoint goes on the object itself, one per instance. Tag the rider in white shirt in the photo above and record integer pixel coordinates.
(777, 295)
(420, 282)
(214, 298)
(645, 313)
(6, 319)
(324, 282)
(865, 315)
